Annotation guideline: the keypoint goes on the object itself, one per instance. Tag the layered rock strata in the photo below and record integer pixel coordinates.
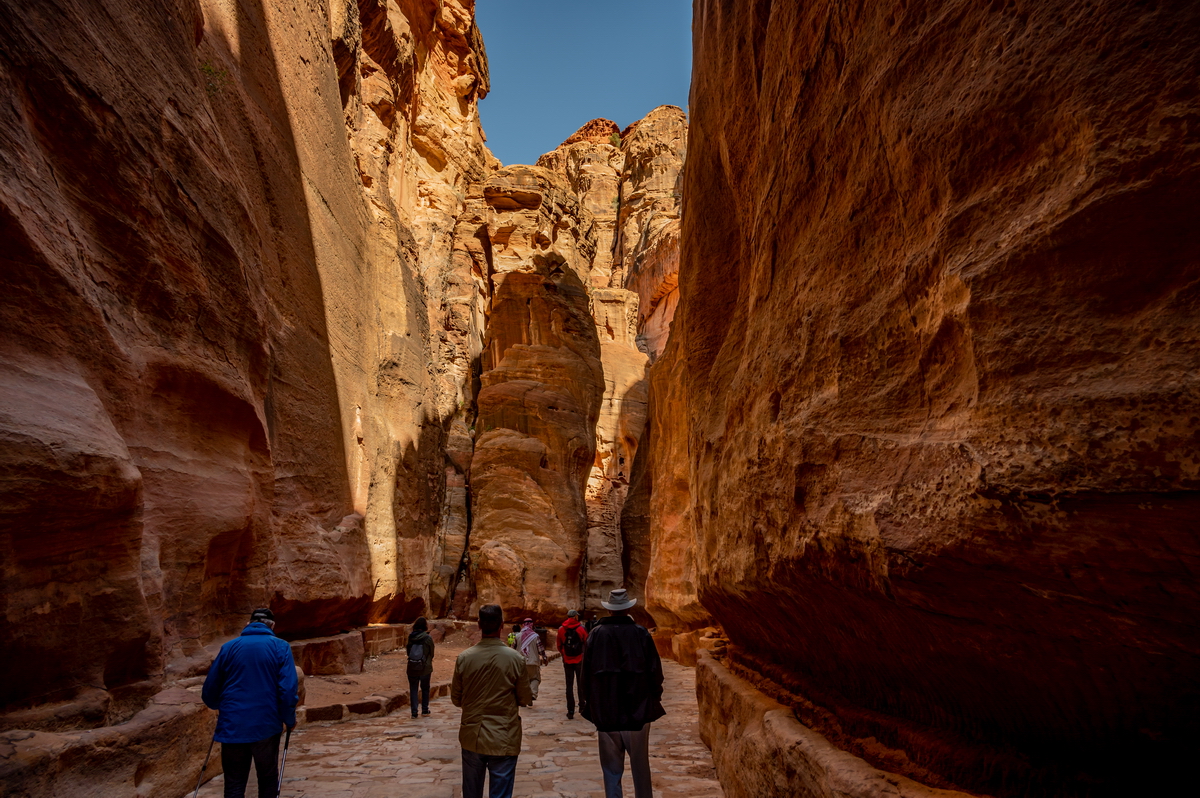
(937, 313)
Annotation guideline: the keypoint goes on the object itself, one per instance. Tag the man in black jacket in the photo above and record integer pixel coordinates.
(620, 690)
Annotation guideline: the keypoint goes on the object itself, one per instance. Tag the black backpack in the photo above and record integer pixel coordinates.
(416, 656)
(572, 642)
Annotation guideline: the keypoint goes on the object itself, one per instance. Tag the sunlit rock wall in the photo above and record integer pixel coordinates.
(939, 301)
(647, 257)
(630, 182)
(658, 539)
(592, 160)
(410, 77)
(601, 206)
(227, 236)
(541, 385)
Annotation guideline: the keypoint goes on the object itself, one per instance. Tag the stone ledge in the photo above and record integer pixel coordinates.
(381, 638)
(686, 645)
(158, 752)
(328, 656)
(376, 705)
(370, 707)
(761, 751)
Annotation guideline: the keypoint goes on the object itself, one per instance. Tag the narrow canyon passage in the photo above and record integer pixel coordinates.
(871, 370)
(400, 757)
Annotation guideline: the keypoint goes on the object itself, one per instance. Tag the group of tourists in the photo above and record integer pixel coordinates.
(615, 664)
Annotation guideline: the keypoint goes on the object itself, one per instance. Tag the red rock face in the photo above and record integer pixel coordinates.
(597, 131)
(938, 296)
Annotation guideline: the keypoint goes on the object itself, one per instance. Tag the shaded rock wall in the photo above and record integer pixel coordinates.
(938, 302)
(226, 245)
(669, 541)
(774, 755)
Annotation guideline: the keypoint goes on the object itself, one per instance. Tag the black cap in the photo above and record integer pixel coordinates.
(262, 614)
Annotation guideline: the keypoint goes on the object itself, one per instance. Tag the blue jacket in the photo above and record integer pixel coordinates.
(253, 684)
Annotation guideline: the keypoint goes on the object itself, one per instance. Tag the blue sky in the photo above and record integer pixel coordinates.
(555, 64)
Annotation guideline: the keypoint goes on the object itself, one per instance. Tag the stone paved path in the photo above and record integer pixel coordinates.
(399, 757)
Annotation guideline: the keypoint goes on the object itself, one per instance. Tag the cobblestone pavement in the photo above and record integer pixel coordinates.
(401, 757)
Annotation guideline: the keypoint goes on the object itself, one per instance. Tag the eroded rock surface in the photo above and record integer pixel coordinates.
(938, 297)
(595, 164)
(775, 756)
(541, 388)
(299, 343)
(651, 197)
(228, 234)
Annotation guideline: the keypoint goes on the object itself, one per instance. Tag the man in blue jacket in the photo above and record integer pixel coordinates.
(253, 683)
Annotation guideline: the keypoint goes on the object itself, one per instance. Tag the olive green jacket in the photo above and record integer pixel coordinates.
(489, 684)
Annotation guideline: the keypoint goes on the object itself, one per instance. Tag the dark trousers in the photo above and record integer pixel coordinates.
(502, 772)
(613, 747)
(572, 672)
(423, 683)
(236, 759)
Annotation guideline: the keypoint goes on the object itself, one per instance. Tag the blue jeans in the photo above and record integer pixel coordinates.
(422, 682)
(503, 770)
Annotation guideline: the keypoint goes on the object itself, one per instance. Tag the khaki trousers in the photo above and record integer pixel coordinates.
(534, 672)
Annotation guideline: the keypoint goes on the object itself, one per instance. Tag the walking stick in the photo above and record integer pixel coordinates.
(200, 780)
(283, 762)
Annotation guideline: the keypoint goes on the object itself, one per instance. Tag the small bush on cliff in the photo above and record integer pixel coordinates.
(615, 140)
(215, 78)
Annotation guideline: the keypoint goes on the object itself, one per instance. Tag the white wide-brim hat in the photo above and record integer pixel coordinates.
(618, 600)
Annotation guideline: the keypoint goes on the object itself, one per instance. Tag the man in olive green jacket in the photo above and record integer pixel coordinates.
(489, 684)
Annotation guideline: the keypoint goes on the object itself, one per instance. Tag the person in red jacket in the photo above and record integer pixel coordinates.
(571, 636)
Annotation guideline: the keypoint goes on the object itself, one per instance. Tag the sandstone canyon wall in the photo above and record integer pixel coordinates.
(563, 400)
(228, 233)
(938, 303)
(541, 386)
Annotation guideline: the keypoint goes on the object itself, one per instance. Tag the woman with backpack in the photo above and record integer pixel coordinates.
(420, 664)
